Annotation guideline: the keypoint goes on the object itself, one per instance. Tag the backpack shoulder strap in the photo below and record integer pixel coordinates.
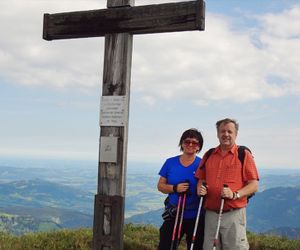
(241, 153)
(207, 155)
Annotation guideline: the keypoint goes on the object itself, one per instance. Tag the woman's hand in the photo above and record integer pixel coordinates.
(182, 187)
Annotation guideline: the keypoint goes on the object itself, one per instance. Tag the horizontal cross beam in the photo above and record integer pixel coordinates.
(156, 18)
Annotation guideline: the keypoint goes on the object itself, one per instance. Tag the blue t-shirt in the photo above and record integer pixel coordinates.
(176, 173)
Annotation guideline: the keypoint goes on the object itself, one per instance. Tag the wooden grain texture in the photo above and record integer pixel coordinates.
(116, 82)
(119, 3)
(108, 236)
(156, 18)
(110, 198)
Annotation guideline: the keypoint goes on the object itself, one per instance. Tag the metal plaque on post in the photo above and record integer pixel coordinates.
(113, 111)
(108, 148)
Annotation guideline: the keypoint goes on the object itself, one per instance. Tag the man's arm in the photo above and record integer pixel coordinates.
(250, 188)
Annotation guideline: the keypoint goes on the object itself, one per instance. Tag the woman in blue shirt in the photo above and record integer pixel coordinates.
(177, 178)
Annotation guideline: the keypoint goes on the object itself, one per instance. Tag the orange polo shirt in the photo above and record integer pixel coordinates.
(226, 169)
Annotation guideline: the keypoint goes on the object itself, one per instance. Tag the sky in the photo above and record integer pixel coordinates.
(245, 65)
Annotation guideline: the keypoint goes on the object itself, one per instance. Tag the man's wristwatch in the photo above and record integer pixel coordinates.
(237, 195)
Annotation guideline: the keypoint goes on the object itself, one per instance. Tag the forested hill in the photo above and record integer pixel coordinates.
(273, 208)
(39, 193)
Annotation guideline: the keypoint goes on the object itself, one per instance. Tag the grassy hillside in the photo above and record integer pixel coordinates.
(135, 237)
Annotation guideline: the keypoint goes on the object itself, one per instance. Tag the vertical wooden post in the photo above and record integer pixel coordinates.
(110, 199)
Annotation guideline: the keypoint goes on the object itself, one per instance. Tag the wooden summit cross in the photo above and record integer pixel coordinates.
(118, 23)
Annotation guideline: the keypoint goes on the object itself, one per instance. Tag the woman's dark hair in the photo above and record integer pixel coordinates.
(191, 133)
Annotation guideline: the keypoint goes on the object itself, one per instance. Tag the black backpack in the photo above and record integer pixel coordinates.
(241, 156)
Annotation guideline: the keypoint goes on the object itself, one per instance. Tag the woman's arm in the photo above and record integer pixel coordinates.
(163, 187)
(166, 188)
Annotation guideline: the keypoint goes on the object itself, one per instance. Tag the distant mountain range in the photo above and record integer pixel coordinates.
(273, 211)
(37, 199)
(41, 193)
(38, 205)
(274, 208)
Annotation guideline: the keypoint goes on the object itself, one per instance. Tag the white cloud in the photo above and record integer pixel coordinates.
(274, 147)
(28, 59)
(220, 63)
(284, 25)
(150, 100)
(281, 41)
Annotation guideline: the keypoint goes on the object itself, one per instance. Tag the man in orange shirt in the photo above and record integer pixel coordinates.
(223, 167)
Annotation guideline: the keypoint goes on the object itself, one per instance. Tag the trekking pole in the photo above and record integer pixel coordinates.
(176, 220)
(180, 222)
(197, 219)
(219, 222)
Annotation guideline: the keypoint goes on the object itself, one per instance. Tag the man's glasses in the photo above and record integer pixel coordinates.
(189, 142)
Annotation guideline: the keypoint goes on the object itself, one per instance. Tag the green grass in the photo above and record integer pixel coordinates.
(266, 242)
(57, 240)
(135, 237)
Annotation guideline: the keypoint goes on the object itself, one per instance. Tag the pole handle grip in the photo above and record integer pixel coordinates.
(225, 186)
(205, 185)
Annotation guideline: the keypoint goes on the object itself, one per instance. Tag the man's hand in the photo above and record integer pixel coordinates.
(227, 193)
